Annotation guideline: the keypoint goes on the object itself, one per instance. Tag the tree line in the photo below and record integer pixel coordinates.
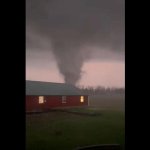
(101, 90)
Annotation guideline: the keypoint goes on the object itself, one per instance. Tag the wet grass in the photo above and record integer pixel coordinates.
(65, 131)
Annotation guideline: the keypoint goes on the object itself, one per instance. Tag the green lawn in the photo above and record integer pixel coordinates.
(65, 131)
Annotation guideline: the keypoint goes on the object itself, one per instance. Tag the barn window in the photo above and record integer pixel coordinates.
(41, 99)
(64, 99)
(82, 99)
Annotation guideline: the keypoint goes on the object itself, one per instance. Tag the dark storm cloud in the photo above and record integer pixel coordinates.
(70, 25)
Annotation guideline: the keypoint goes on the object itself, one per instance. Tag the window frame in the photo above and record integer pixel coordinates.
(41, 100)
(64, 99)
(82, 99)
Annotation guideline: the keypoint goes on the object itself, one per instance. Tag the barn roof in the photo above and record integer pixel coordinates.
(50, 88)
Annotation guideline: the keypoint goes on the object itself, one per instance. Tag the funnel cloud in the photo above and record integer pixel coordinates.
(70, 28)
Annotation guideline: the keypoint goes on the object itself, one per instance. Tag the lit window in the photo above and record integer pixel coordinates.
(63, 99)
(41, 99)
(82, 99)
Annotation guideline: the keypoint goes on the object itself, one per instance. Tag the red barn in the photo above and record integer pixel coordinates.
(42, 96)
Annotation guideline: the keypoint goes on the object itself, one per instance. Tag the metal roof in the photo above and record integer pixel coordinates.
(50, 88)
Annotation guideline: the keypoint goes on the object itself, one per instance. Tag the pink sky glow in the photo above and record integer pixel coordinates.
(95, 73)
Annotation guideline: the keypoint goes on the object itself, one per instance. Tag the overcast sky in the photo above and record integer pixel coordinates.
(76, 41)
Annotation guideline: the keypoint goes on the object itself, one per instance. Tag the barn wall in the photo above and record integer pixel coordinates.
(75, 101)
(53, 101)
(32, 103)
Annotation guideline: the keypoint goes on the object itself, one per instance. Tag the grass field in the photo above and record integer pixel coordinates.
(66, 131)
(114, 102)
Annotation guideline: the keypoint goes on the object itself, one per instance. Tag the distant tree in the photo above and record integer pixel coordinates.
(90, 90)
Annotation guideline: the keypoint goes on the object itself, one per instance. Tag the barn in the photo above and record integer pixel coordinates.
(42, 96)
